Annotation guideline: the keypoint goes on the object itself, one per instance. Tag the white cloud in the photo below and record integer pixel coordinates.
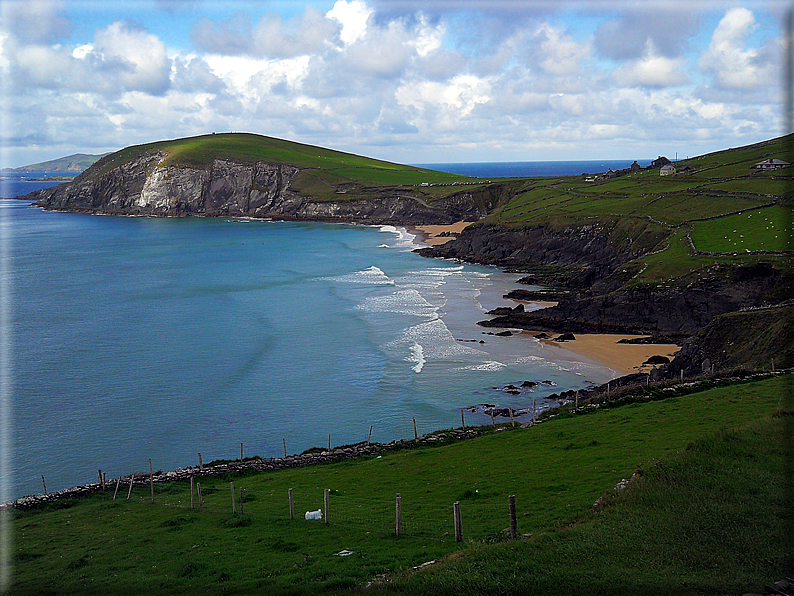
(652, 70)
(353, 16)
(727, 59)
(138, 58)
(560, 54)
(312, 33)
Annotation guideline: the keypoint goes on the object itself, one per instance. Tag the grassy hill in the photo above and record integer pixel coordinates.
(704, 516)
(725, 211)
(71, 163)
(324, 171)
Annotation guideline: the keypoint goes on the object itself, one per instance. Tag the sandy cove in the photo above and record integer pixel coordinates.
(604, 349)
(597, 347)
(431, 234)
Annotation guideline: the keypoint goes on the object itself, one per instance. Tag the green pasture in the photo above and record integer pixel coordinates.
(758, 229)
(556, 471)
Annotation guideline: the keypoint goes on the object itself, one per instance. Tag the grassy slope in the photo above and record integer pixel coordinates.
(723, 183)
(556, 470)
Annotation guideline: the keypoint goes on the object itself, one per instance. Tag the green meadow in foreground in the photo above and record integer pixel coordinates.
(703, 516)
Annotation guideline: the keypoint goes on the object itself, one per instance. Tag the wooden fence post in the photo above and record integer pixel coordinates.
(416, 436)
(493, 422)
(241, 499)
(198, 492)
(284, 442)
(576, 403)
(201, 463)
(534, 411)
(191, 492)
(151, 478)
(44, 484)
(233, 508)
(458, 522)
(129, 492)
(462, 421)
(115, 492)
(241, 453)
(99, 476)
(369, 438)
(329, 441)
(291, 506)
(327, 499)
(513, 519)
(512, 420)
(397, 515)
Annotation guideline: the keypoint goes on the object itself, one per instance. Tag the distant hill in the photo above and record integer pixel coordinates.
(72, 163)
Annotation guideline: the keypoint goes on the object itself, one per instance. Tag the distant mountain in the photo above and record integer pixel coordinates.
(72, 163)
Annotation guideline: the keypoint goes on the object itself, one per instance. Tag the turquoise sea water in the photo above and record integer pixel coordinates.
(137, 338)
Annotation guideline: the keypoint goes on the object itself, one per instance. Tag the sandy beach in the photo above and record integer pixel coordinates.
(595, 347)
(604, 349)
(431, 235)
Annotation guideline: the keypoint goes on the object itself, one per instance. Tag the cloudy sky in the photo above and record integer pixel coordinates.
(403, 80)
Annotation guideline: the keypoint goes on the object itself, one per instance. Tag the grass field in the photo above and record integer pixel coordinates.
(556, 471)
(762, 229)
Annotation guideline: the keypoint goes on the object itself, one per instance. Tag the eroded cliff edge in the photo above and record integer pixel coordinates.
(149, 185)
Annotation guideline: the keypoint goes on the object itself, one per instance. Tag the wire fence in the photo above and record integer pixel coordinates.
(402, 515)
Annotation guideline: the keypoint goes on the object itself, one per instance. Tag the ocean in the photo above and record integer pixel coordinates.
(528, 169)
(138, 338)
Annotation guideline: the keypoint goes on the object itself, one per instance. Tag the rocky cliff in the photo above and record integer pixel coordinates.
(149, 185)
(590, 268)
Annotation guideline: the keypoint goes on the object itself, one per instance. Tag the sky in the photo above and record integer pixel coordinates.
(408, 81)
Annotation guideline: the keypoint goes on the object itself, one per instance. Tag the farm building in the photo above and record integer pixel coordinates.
(771, 164)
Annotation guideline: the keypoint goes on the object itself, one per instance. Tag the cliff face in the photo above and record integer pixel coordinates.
(592, 261)
(148, 186)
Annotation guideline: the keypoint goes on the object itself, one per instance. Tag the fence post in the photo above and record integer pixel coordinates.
(329, 442)
(576, 403)
(191, 492)
(234, 510)
(115, 492)
(534, 411)
(397, 515)
(493, 422)
(284, 442)
(291, 506)
(201, 501)
(458, 522)
(241, 453)
(241, 499)
(512, 420)
(327, 499)
(44, 484)
(462, 421)
(416, 436)
(201, 463)
(513, 520)
(151, 478)
(129, 492)
(369, 438)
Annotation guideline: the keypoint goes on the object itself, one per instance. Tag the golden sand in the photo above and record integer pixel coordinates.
(603, 348)
(430, 234)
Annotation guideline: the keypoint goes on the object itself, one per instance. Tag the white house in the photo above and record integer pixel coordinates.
(668, 170)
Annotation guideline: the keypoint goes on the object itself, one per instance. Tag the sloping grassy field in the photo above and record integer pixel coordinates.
(556, 470)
